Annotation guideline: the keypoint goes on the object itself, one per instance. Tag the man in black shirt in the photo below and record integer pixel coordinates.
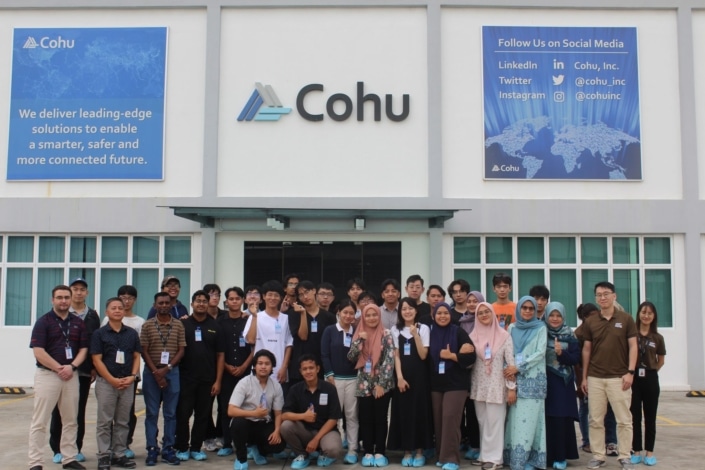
(310, 416)
(201, 372)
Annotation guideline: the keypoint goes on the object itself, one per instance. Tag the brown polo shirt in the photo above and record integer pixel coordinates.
(168, 338)
(651, 347)
(609, 357)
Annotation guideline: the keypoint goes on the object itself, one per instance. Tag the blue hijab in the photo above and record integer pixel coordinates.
(525, 330)
(442, 336)
(565, 337)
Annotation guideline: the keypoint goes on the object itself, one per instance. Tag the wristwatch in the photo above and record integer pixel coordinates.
(631, 371)
(74, 368)
(169, 366)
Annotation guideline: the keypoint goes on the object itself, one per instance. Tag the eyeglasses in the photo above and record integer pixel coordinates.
(200, 302)
(253, 294)
(292, 284)
(603, 295)
(127, 298)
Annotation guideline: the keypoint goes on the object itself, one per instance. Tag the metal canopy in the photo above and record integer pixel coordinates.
(207, 216)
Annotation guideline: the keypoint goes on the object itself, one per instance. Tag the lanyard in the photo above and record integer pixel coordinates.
(66, 332)
(164, 340)
(642, 348)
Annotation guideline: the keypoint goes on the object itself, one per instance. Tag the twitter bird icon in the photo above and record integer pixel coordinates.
(557, 80)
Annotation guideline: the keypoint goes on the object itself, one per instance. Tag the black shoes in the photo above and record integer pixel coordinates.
(123, 462)
(75, 465)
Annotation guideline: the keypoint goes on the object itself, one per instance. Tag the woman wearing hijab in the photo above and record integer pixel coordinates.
(525, 434)
(490, 390)
(562, 353)
(372, 351)
(451, 354)
(470, 429)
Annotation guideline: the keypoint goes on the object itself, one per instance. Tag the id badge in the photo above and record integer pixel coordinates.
(407, 349)
(120, 357)
(442, 367)
(165, 358)
(368, 367)
(198, 335)
(488, 352)
(69, 352)
(347, 340)
(242, 341)
(277, 328)
(323, 400)
(314, 326)
(519, 358)
(642, 372)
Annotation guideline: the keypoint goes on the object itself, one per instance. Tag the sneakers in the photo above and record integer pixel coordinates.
(256, 456)
(152, 455)
(123, 462)
(560, 465)
(650, 461)
(472, 454)
(612, 450)
(56, 458)
(301, 461)
(240, 465)
(449, 466)
(129, 453)
(626, 464)
(368, 460)
(594, 463)
(199, 456)
(419, 461)
(80, 457)
(210, 445)
(225, 451)
(350, 458)
(381, 460)
(324, 461)
(169, 456)
(104, 463)
(183, 456)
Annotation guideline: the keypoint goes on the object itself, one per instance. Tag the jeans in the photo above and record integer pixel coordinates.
(169, 398)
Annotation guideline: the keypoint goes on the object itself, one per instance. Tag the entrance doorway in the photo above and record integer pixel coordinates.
(334, 262)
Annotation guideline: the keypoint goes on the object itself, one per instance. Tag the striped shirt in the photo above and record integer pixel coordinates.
(157, 338)
(54, 335)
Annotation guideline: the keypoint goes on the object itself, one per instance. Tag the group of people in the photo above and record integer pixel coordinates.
(292, 379)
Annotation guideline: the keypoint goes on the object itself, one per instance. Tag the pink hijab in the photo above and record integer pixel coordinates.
(372, 346)
(483, 335)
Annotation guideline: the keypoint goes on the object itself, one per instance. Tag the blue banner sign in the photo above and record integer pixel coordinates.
(561, 103)
(87, 104)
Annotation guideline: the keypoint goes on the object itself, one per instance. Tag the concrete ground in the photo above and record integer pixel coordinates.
(679, 442)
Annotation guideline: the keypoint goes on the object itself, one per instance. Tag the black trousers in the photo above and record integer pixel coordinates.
(84, 388)
(372, 415)
(227, 386)
(194, 398)
(645, 393)
(254, 433)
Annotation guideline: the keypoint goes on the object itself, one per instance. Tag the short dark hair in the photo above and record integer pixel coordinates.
(501, 278)
(212, 287)
(199, 293)
(252, 287)
(414, 278)
(326, 286)
(306, 285)
(127, 290)
(272, 286)
(461, 283)
(160, 294)
(540, 291)
(366, 295)
(235, 289)
(266, 353)
(61, 287)
(290, 276)
(346, 303)
(436, 287)
(307, 357)
(113, 299)
(356, 280)
(390, 282)
(605, 285)
(584, 310)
